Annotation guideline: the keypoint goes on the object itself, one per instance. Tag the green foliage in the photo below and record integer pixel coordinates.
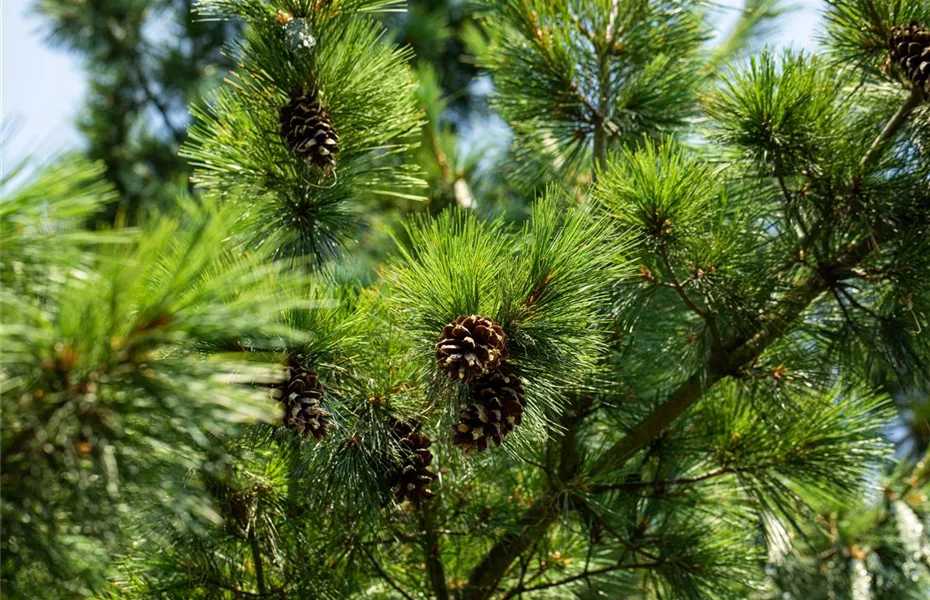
(658, 192)
(825, 447)
(782, 111)
(709, 337)
(874, 547)
(241, 156)
(564, 71)
(41, 223)
(544, 285)
(106, 396)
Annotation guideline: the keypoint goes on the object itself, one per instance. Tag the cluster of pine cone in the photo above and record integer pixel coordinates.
(909, 51)
(473, 350)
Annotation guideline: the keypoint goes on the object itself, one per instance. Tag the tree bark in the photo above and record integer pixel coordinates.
(431, 549)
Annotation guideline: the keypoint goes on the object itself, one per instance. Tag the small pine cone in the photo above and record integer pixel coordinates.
(471, 346)
(410, 478)
(497, 408)
(909, 47)
(302, 398)
(308, 130)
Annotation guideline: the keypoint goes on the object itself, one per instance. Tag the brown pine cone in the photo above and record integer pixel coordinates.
(308, 129)
(471, 346)
(909, 47)
(498, 401)
(302, 397)
(410, 478)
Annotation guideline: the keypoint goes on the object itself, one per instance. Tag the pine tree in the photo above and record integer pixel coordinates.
(670, 374)
(146, 61)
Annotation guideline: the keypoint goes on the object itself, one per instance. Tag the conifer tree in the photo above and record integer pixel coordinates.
(671, 379)
(146, 61)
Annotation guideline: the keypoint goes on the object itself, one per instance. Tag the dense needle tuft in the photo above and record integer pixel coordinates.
(308, 129)
(471, 346)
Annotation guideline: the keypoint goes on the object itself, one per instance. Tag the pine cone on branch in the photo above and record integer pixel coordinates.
(909, 47)
(410, 478)
(498, 402)
(471, 346)
(302, 397)
(308, 129)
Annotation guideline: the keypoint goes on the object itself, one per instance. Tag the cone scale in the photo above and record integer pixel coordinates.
(909, 47)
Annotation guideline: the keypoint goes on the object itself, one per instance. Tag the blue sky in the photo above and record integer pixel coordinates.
(41, 88)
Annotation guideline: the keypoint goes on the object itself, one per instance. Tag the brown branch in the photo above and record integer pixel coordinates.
(603, 106)
(571, 419)
(630, 485)
(486, 575)
(257, 560)
(433, 555)
(892, 127)
(674, 406)
(384, 575)
(583, 575)
(524, 566)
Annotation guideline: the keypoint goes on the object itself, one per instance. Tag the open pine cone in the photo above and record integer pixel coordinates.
(302, 397)
(308, 129)
(498, 401)
(909, 47)
(471, 346)
(410, 479)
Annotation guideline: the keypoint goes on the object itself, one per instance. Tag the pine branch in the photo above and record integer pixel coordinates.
(257, 560)
(720, 365)
(545, 509)
(686, 394)
(486, 575)
(584, 575)
(600, 126)
(892, 127)
(633, 485)
(433, 555)
(176, 133)
(384, 575)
